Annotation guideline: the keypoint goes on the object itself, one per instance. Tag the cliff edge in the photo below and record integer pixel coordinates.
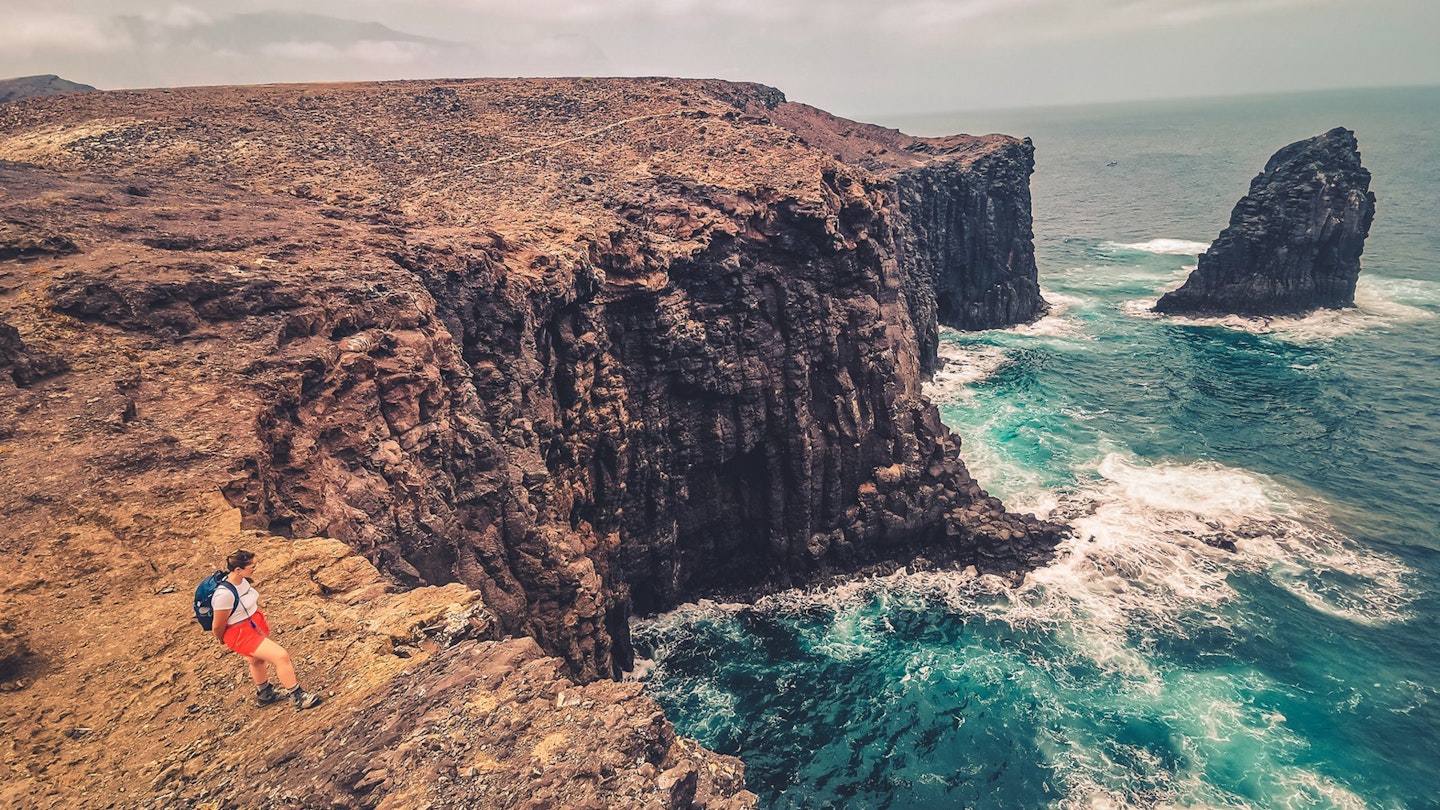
(563, 349)
(1294, 242)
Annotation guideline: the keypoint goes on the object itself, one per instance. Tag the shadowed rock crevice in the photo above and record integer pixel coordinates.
(23, 366)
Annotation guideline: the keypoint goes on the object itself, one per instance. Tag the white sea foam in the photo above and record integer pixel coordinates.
(1377, 305)
(1407, 291)
(1214, 725)
(641, 670)
(1058, 322)
(848, 636)
(1060, 303)
(1143, 565)
(1146, 538)
(1146, 555)
(1299, 789)
(1169, 247)
(960, 368)
(1142, 308)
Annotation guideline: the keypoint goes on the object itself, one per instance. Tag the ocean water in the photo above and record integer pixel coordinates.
(1145, 667)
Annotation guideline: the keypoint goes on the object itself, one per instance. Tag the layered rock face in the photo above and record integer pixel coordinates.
(963, 228)
(584, 348)
(1294, 242)
(967, 244)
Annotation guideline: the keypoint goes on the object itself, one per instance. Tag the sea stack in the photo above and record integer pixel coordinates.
(1294, 242)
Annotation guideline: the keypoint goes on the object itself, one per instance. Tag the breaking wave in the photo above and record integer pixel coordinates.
(1081, 651)
(959, 368)
(1168, 247)
(1151, 541)
(1377, 305)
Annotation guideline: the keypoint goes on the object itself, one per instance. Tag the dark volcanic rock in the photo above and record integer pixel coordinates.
(569, 349)
(963, 228)
(46, 85)
(1294, 242)
(18, 242)
(967, 246)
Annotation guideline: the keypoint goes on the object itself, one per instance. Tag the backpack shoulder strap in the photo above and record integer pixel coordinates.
(235, 592)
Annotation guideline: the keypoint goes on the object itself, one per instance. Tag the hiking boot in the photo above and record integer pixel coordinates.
(303, 700)
(266, 694)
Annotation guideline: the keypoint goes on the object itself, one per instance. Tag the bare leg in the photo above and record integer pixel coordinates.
(258, 673)
(271, 653)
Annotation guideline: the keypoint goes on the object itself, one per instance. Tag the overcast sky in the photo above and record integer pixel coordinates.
(857, 58)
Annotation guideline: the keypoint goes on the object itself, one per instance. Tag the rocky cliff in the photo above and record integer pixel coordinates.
(1294, 242)
(967, 244)
(579, 348)
(963, 228)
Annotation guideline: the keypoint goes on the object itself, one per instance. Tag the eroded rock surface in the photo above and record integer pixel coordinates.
(22, 366)
(453, 731)
(963, 228)
(577, 348)
(1294, 242)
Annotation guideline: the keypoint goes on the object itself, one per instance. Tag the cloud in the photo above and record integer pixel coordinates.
(377, 52)
(262, 31)
(41, 33)
(304, 41)
(178, 17)
(1147, 13)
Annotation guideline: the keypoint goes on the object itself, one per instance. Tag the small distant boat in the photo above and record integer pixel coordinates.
(1111, 163)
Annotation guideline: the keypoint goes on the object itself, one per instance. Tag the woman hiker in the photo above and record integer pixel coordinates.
(243, 629)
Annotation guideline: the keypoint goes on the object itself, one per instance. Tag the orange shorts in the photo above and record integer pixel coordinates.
(245, 637)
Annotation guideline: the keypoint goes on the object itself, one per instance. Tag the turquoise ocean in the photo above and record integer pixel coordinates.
(1145, 667)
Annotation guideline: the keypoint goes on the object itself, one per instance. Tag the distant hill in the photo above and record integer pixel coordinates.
(47, 85)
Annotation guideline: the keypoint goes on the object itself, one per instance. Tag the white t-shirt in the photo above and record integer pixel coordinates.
(249, 602)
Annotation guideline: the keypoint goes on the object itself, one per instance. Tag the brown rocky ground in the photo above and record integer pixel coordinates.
(113, 697)
(476, 367)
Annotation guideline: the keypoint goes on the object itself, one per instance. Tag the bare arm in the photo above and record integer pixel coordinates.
(222, 619)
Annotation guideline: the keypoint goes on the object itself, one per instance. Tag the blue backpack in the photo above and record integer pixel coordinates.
(204, 614)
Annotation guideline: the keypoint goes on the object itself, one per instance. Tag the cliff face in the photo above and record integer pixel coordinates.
(584, 348)
(184, 321)
(962, 225)
(1294, 242)
(967, 243)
